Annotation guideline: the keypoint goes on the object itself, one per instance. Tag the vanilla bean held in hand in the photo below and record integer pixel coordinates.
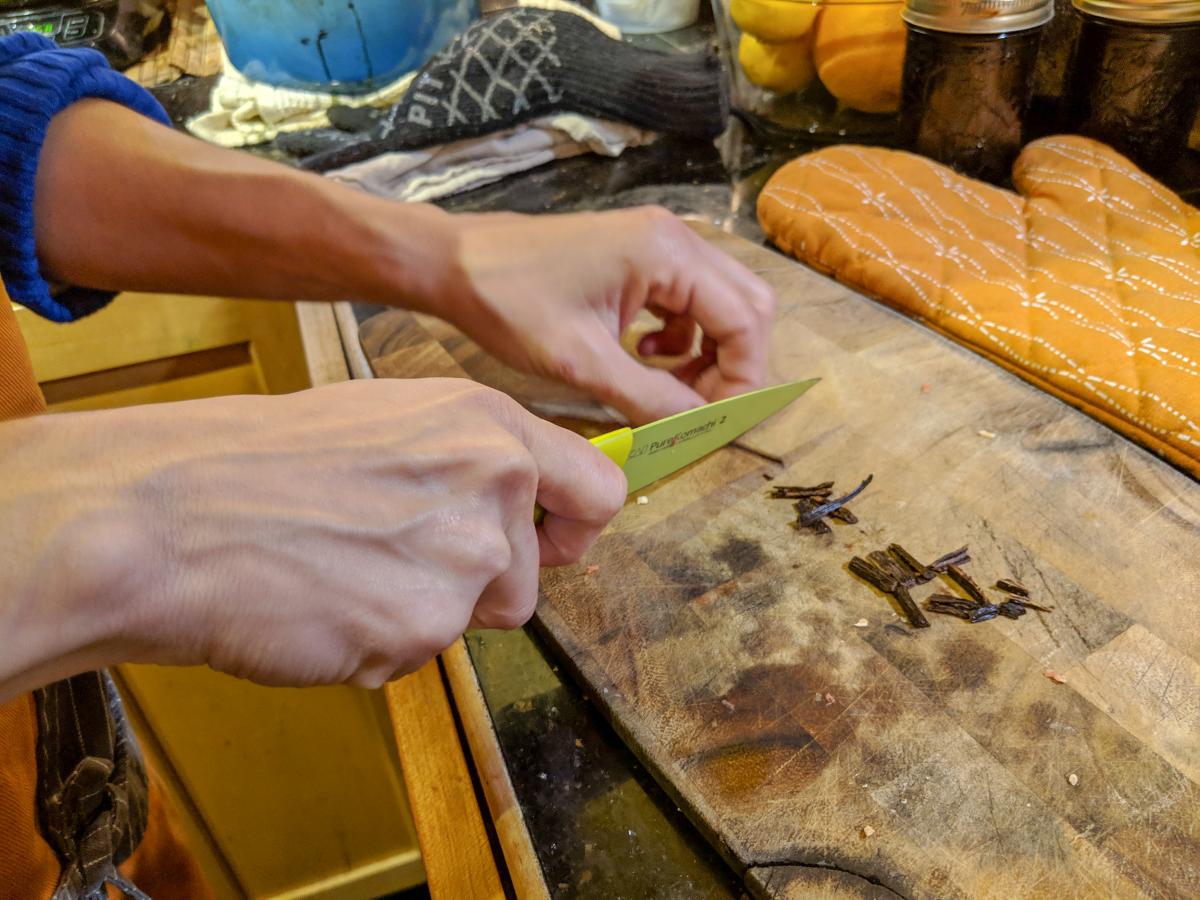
(525, 63)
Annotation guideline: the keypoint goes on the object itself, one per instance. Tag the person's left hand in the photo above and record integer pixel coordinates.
(552, 295)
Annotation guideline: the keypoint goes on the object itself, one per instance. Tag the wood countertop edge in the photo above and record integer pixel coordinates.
(523, 866)
(455, 846)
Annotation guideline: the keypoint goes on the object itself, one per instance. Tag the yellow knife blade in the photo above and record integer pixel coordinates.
(660, 448)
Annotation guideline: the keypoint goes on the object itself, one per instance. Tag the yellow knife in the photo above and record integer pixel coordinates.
(654, 451)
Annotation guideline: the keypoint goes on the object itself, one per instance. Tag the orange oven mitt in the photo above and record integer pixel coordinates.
(1086, 282)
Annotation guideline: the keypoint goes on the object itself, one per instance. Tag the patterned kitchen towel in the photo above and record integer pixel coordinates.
(1086, 282)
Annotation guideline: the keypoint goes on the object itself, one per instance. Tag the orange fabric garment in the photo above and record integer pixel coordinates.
(28, 867)
(19, 394)
(1085, 282)
(161, 866)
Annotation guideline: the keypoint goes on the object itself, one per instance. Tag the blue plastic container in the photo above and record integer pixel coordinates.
(346, 46)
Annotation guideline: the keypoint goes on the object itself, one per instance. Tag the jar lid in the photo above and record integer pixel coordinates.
(982, 16)
(1163, 12)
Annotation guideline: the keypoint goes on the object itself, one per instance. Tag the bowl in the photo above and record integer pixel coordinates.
(343, 46)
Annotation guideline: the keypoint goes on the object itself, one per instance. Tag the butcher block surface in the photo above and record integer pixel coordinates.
(827, 757)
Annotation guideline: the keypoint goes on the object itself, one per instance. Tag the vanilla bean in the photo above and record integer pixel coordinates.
(884, 579)
(794, 492)
(816, 526)
(885, 563)
(967, 583)
(952, 600)
(1012, 587)
(916, 618)
(826, 508)
(959, 557)
(950, 606)
(1012, 609)
(872, 575)
(1031, 605)
(920, 573)
(820, 526)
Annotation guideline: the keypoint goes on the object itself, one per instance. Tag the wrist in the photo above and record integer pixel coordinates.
(81, 564)
(411, 257)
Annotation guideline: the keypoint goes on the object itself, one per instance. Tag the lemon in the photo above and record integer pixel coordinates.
(784, 67)
(773, 21)
(859, 54)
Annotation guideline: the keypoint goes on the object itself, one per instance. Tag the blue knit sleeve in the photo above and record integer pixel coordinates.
(37, 81)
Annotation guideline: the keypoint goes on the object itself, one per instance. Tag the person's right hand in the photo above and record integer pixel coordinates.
(340, 535)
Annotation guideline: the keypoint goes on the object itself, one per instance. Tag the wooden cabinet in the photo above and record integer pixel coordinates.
(148, 348)
(284, 793)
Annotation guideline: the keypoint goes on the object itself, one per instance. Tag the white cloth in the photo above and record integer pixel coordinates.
(243, 112)
(452, 168)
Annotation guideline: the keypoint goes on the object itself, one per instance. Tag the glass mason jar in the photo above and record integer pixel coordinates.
(1135, 80)
(649, 16)
(814, 71)
(968, 78)
(344, 46)
(1054, 56)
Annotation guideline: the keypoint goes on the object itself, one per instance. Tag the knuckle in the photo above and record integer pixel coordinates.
(563, 368)
(506, 414)
(515, 474)
(477, 395)
(367, 679)
(664, 228)
(428, 641)
(509, 615)
(487, 552)
(659, 217)
(422, 640)
(765, 300)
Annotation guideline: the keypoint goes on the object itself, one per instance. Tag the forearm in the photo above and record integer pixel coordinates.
(123, 203)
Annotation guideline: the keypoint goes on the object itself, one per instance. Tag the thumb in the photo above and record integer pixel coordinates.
(603, 368)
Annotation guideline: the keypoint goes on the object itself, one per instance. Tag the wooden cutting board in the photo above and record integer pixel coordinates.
(827, 758)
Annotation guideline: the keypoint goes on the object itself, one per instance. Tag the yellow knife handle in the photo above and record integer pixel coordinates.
(615, 445)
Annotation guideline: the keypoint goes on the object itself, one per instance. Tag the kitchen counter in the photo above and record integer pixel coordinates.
(600, 825)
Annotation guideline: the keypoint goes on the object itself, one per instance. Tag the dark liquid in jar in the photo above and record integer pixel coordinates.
(1136, 88)
(966, 96)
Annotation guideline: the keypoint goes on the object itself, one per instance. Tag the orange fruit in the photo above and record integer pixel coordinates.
(774, 21)
(858, 49)
(784, 68)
